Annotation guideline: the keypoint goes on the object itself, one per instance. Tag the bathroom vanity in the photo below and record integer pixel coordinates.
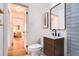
(53, 47)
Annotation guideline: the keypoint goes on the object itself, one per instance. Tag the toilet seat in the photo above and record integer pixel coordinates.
(33, 46)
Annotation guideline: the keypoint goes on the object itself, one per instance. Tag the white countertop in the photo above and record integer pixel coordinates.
(56, 37)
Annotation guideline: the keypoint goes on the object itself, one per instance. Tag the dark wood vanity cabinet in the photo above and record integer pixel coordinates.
(54, 47)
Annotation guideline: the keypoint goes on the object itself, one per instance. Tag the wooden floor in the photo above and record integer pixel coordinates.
(17, 48)
(17, 52)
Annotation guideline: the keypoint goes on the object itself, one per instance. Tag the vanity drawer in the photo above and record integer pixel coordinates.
(49, 50)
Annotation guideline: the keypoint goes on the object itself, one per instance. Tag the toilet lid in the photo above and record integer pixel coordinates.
(35, 46)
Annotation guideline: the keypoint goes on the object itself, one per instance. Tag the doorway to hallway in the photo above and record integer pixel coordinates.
(17, 30)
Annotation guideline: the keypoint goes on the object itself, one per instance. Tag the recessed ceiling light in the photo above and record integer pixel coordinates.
(18, 8)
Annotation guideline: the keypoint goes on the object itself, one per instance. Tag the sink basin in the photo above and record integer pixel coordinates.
(57, 37)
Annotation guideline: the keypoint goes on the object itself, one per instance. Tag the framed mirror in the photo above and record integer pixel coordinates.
(58, 17)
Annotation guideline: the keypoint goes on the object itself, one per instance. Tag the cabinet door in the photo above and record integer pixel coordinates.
(52, 51)
(59, 51)
(59, 47)
(48, 47)
(47, 50)
(47, 40)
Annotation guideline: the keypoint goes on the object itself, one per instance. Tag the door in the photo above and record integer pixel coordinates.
(17, 29)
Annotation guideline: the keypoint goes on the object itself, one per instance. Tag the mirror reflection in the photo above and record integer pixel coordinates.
(57, 14)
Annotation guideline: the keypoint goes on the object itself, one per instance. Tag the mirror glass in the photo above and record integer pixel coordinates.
(57, 17)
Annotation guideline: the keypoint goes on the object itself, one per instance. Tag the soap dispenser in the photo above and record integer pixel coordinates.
(58, 34)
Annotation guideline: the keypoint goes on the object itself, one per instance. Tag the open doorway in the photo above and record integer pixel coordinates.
(17, 30)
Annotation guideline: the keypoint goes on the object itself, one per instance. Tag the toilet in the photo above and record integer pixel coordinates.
(35, 49)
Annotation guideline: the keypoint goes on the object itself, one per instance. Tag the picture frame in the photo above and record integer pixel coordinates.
(45, 20)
